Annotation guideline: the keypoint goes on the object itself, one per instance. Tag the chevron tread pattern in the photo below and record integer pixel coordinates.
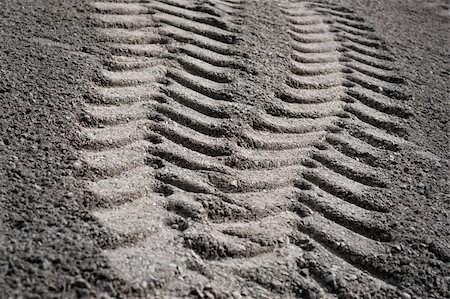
(187, 172)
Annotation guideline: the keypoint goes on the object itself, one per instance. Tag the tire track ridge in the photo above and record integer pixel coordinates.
(208, 154)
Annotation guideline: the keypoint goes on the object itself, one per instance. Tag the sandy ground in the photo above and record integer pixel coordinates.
(65, 235)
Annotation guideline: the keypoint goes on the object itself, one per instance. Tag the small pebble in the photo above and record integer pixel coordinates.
(331, 279)
(208, 295)
(397, 247)
(236, 295)
(77, 165)
(196, 292)
(85, 117)
(405, 295)
(46, 264)
(81, 283)
(437, 164)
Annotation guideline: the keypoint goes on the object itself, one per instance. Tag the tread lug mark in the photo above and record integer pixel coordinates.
(181, 155)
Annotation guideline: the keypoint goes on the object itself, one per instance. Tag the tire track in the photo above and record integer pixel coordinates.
(197, 169)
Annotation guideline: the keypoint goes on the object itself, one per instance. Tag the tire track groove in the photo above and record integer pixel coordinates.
(195, 169)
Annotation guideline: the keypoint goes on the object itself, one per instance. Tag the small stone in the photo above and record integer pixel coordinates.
(85, 117)
(331, 279)
(352, 277)
(209, 295)
(221, 251)
(182, 225)
(380, 88)
(437, 164)
(210, 287)
(77, 165)
(81, 283)
(46, 264)
(105, 296)
(197, 292)
(405, 295)
(241, 247)
(236, 295)
(234, 183)
(397, 247)
(301, 262)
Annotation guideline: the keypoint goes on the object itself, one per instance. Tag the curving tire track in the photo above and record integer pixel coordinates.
(204, 180)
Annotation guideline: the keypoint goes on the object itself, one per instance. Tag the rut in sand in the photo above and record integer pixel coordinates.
(235, 144)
